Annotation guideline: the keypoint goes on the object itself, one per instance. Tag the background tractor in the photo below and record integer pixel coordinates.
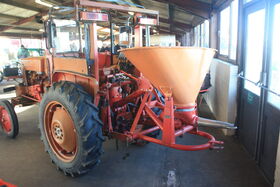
(85, 95)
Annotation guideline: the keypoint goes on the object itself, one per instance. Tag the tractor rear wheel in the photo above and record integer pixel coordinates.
(8, 119)
(1, 76)
(71, 129)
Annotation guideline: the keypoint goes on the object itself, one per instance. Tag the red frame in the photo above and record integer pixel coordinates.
(3, 183)
(171, 122)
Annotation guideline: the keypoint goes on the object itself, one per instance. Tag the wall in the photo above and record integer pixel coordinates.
(163, 40)
(222, 95)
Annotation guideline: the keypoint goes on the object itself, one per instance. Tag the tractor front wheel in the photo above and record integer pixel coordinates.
(1, 76)
(71, 129)
(8, 119)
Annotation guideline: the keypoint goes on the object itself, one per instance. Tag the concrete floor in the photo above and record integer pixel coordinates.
(23, 162)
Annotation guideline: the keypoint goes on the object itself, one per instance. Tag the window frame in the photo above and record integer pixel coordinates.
(269, 95)
(55, 38)
(221, 56)
(199, 40)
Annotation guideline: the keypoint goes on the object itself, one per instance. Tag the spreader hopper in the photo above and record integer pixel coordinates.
(182, 69)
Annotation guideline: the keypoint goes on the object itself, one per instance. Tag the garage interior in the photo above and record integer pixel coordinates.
(165, 143)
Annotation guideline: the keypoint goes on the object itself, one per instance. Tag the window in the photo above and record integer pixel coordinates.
(224, 31)
(201, 33)
(254, 49)
(234, 29)
(274, 76)
(205, 34)
(67, 36)
(228, 30)
(197, 36)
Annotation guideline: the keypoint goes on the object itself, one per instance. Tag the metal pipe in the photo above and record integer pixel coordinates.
(147, 36)
(112, 40)
(215, 123)
(147, 131)
(184, 130)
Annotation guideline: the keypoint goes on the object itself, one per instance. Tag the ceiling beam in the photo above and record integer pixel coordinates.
(218, 3)
(118, 7)
(193, 7)
(9, 16)
(189, 3)
(22, 21)
(164, 32)
(180, 25)
(166, 29)
(59, 1)
(20, 5)
(193, 3)
(169, 32)
(19, 28)
(20, 35)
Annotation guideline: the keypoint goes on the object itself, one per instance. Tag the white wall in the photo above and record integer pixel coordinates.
(222, 97)
(163, 40)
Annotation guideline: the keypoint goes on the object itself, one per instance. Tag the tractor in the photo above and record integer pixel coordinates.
(146, 94)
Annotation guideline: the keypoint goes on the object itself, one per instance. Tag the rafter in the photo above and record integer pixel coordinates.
(59, 1)
(9, 16)
(20, 5)
(191, 3)
(194, 7)
(19, 28)
(169, 32)
(22, 21)
(20, 35)
(180, 25)
(161, 28)
(218, 3)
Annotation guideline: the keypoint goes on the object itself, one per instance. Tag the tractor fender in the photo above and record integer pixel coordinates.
(90, 84)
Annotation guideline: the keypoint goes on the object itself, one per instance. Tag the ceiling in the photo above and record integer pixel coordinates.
(20, 18)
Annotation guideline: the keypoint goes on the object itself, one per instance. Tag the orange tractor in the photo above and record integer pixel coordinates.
(85, 95)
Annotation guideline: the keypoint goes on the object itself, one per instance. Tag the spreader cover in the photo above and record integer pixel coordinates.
(180, 68)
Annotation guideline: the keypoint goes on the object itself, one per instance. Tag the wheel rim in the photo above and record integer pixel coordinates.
(5, 120)
(60, 131)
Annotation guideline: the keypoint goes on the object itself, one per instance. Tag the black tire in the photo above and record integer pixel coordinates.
(87, 125)
(12, 117)
(1, 76)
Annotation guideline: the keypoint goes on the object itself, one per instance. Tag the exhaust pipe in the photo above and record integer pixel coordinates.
(9, 89)
(203, 122)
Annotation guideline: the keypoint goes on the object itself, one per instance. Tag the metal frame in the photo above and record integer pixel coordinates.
(117, 7)
(185, 118)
